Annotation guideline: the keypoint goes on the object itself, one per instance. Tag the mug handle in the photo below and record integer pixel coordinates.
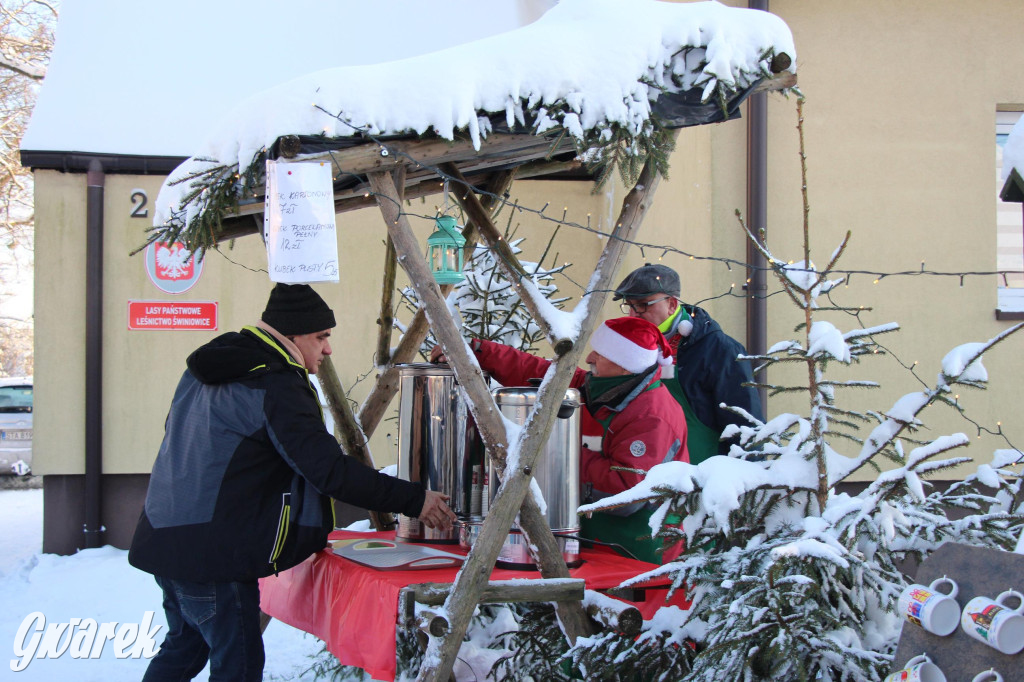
(990, 675)
(920, 658)
(1011, 593)
(954, 588)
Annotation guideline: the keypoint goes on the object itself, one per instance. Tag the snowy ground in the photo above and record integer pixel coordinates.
(97, 584)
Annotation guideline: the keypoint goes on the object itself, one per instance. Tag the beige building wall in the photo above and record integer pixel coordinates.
(142, 368)
(900, 142)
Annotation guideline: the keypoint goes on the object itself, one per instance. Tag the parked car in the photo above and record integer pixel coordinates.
(15, 425)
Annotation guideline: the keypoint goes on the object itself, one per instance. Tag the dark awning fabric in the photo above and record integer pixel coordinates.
(684, 109)
(1013, 190)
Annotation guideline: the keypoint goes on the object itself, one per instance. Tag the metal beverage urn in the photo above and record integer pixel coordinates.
(438, 446)
(557, 473)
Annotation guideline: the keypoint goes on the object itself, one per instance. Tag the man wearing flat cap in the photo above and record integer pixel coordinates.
(242, 486)
(706, 372)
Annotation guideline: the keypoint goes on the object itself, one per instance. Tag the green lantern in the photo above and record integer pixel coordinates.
(444, 251)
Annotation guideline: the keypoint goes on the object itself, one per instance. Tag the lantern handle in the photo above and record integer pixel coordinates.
(442, 225)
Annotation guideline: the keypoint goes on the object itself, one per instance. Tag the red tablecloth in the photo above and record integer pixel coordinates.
(354, 608)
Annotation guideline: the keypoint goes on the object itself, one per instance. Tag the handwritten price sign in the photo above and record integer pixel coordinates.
(298, 223)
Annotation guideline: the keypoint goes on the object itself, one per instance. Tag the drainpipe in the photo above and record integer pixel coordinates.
(757, 220)
(94, 180)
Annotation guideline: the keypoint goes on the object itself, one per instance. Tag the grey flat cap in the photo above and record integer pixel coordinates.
(647, 280)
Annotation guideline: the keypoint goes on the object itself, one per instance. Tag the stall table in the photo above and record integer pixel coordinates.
(354, 608)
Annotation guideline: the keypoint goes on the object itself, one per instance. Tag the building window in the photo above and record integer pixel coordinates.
(1009, 224)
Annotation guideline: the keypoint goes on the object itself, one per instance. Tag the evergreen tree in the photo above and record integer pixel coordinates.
(790, 578)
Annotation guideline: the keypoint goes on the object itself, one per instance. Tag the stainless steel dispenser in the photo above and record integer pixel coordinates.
(438, 446)
(557, 473)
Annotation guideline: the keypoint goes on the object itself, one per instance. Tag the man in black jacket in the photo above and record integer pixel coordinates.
(242, 484)
(707, 373)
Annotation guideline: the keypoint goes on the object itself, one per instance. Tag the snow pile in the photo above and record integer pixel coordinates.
(99, 584)
(586, 65)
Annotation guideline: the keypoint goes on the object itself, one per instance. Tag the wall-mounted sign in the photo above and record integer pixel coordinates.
(171, 267)
(173, 315)
(298, 223)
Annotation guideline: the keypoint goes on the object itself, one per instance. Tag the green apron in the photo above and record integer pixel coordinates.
(701, 441)
(624, 530)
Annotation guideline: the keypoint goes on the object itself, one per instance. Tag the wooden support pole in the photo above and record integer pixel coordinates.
(432, 623)
(384, 389)
(506, 260)
(507, 591)
(353, 441)
(386, 319)
(470, 581)
(494, 192)
(613, 614)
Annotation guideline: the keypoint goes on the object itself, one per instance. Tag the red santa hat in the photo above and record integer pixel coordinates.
(632, 343)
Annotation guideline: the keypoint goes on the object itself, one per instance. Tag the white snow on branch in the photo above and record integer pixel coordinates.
(878, 329)
(964, 362)
(803, 276)
(563, 325)
(789, 346)
(826, 339)
(905, 408)
(722, 480)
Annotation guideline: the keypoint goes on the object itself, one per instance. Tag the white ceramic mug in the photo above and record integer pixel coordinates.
(994, 623)
(918, 669)
(989, 675)
(935, 611)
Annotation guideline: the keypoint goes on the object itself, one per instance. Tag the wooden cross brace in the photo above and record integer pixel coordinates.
(472, 579)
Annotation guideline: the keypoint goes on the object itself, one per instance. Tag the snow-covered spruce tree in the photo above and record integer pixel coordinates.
(486, 306)
(792, 580)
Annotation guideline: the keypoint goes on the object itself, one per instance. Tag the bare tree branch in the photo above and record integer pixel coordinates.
(26, 40)
(23, 68)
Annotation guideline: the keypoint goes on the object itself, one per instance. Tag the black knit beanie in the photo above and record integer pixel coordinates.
(295, 309)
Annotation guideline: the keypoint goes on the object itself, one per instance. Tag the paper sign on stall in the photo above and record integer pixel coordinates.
(299, 228)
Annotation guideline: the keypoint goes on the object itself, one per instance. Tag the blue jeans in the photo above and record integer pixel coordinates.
(219, 622)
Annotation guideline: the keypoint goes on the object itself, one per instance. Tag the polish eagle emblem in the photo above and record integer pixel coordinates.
(173, 262)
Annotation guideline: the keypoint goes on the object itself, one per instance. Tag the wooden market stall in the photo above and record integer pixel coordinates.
(220, 200)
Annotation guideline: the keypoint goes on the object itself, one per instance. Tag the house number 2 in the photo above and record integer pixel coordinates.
(139, 200)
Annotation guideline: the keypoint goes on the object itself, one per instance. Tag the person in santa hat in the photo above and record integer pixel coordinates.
(641, 423)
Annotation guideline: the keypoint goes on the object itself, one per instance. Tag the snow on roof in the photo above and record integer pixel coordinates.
(1013, 152)
(148, 78)
(596, 54)
(586, 66)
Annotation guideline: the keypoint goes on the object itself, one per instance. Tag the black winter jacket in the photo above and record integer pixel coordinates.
(240, 485)
(709, 373)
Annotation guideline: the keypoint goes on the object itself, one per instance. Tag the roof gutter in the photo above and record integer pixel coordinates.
(71, 162)
(95, 180)
(757, 220)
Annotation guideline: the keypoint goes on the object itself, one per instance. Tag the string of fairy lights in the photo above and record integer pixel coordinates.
(663, 249)
(542, 214)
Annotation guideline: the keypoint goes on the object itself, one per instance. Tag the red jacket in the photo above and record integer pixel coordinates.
(649, 430)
